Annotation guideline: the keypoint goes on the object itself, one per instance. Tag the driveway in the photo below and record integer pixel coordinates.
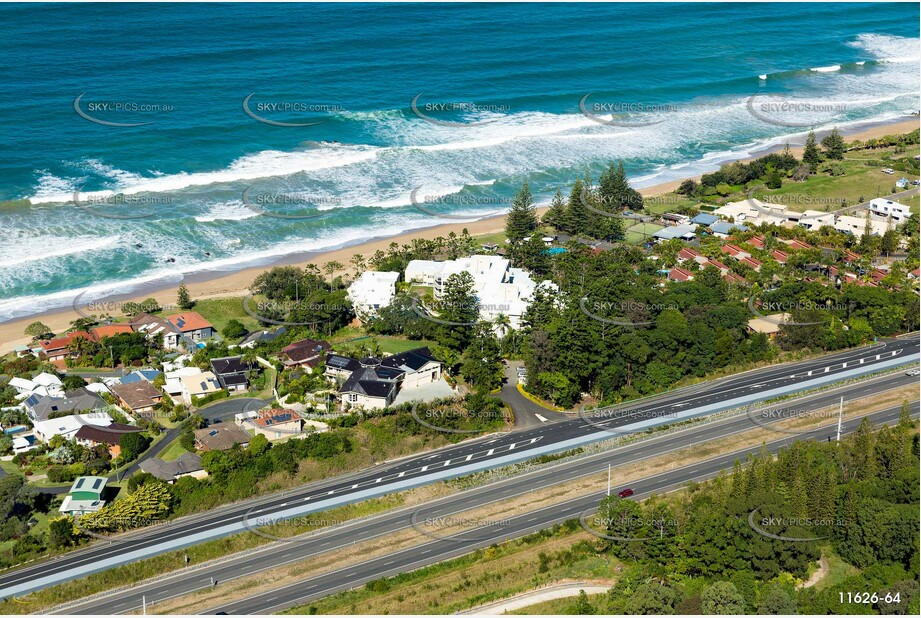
(527, 413)
(225, 409)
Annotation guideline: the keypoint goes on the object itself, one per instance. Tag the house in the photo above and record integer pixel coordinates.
(685, 232)
(148, 375)
(705, 219)
(200, 385)
(374, 383)
(307, 352)
(680, 274)
(371, 292)
(489, 246)
(734, 278)
(221, 437)
(719, 266)
(793, 243)
(756, 242)
(68, 426)
(262, 336)
(188, 464)
(673, 218)
(689, 253)
(850, 256)
(98, 333)
(858, 226)
(58, 348)
(231, 372)
(780, 256)
(40, 408)
(192, 325)
(26, 388)
(812, 219)
(734, 251)
(371, 386)
(139, 397)
(180, 330)
(110, 435)
(277, 423)
(85, 496)
(172, 385)
(887, 208)
(752, 262)
(722, 229)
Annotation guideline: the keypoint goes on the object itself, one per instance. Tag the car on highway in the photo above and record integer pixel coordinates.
(913, 372)
(625, 493)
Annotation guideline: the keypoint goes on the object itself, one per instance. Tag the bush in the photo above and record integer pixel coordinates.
(200, 401)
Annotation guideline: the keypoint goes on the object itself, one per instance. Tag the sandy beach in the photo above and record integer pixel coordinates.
(236, 283)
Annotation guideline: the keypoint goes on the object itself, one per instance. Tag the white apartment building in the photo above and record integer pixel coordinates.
(371, 292)
(887, 208)
(500, 289)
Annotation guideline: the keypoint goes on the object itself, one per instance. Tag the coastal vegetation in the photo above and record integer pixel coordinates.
(695, 551)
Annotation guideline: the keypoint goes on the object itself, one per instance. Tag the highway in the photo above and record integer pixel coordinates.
(444, 549)
(341, 537)
(467, 457)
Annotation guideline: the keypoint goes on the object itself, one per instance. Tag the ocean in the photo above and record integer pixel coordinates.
(150, 142)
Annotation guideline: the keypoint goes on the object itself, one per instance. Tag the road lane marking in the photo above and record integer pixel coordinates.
(542, 419)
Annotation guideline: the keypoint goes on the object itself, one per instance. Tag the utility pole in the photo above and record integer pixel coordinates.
(840, 414)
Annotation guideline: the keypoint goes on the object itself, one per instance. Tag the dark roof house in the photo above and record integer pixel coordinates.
(187, 464)
(305, 352)
(231, 371)
(221, 437)
(41, 408)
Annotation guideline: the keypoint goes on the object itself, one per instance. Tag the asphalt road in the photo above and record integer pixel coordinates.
(341, 537)
(453, 461)
(444, 549)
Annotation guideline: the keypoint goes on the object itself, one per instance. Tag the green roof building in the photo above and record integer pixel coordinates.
(88, 488)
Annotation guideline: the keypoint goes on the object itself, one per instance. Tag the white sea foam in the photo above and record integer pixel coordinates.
(232, 211)
(828, 69)
(15, 252)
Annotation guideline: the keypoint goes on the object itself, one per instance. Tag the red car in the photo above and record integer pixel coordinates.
(625, 493)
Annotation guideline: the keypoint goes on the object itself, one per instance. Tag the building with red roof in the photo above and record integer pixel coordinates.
(680, 274)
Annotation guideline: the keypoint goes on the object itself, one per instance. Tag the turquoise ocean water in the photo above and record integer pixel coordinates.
(210, 187)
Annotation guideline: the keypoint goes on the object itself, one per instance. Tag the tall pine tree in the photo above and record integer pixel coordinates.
(811, 156)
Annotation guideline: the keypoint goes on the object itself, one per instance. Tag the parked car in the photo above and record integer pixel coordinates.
(625, 493)
(888, 170)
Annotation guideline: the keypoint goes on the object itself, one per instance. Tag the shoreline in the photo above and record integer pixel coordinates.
(215, 284)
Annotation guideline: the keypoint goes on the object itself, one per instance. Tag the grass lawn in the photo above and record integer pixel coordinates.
(219, 311)
(496, 237)
(838, 570)
(10, 467)
(395, 345)
(173, 452)
(859, 180)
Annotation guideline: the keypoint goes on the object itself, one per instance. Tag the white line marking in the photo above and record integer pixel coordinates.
(512, 446)
(379, 480)
(469, 457)
(491, 451)
(424, 468)
(542, 419)
(400, 475)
